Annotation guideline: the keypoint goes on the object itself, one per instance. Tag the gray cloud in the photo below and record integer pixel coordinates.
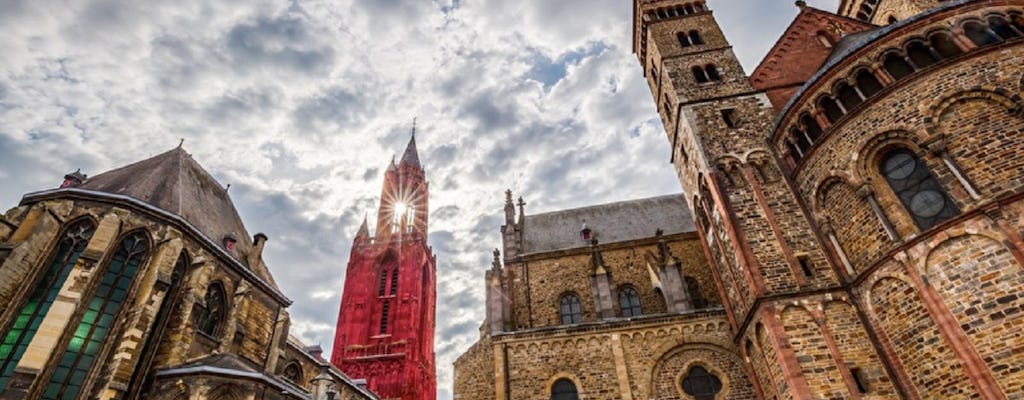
(301, 107)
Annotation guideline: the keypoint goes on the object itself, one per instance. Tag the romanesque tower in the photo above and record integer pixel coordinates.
(859, 206)
(385, 330)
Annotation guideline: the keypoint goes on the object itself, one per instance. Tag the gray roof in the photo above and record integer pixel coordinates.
(610, 223)
(411, 156)
(174, 182)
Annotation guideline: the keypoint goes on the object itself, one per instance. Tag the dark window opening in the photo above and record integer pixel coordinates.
(696, 297)
(867, 83)
(945, 46)
(858, 379)
(701, 384)
(831, 109)
(731, 117)
(892, 20)
(695, 38)
(382, 289)
(811, 127)
(570, 309)
(209, 319)
(292, 373)
(979, 34)
(713, 73)
(394, 282)
(805, 265)
(897, 67)
(384, 308)
(921, 194)
(629, 302)
(849, 96)
(801, 140)
(921, 55)
(1002, 28)
(564, 389)
(700, 75)
(689, 9)
(684, 40)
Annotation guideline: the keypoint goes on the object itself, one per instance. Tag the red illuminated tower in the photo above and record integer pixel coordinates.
(385, 330)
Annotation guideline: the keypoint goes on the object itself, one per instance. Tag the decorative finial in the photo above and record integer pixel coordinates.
(228, 187)
(414, 126)
(180, 143)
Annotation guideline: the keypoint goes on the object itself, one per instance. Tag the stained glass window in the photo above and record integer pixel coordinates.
(564, 389)
(102, 309)
(570, 309)
(70, 246)
(293, 373)
(209, 319)
(918, 190)
(629, 302)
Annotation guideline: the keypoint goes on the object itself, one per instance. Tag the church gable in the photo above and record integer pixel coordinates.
(801, 50)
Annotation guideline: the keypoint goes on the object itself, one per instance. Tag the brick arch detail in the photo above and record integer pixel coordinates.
(563, 375)
(934, 110)
(866, 157)
(669, 350)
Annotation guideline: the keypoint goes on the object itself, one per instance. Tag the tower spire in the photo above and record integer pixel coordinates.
(411, 156)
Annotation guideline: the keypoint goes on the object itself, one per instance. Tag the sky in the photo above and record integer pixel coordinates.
(300, 106)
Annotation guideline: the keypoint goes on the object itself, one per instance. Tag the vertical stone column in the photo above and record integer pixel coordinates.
(25, 251)
(43, 344)
(499, 372)
(621, 373)
(140, 319)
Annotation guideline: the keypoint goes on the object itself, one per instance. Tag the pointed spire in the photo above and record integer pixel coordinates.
(411, 156)
(364, 229)
(393, 165)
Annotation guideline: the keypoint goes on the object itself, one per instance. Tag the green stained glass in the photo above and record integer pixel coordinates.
(92, 331)
(37, 303)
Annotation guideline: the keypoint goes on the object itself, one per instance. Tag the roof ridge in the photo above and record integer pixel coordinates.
(595, 206)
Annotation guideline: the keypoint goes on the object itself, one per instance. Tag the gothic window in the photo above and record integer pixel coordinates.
(629, 302)
(979, 34)
(293, 373)
(210, 318)
(569, 307)
(701, 384)
(564, 389)
(101, 312)
(917, 189)
(695, 38)
(26, 322)
(384, 309)
(867, 83)
(382, 289)
(394, 281)
(920, 55)
(693, 288)
(896, 66)
(945, 46)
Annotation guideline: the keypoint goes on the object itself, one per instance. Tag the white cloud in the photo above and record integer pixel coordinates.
(300, 105)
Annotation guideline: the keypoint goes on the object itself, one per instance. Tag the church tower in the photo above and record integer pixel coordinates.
(385, 331)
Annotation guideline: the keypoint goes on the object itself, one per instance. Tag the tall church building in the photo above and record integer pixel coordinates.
(859, 200)
(385, 331)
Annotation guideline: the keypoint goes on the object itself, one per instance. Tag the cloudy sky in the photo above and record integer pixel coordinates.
(300, 105)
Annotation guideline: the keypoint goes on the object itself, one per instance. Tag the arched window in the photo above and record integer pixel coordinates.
(892, 20)
(72, 242)
(944, 45)
(102, 310)
(394, 281)
(210, 318)
(684, 40)
(825, 39)
(867, 83)
(918, 190)
(920, 55)
(712, 73)
(696, 297)
(293, 373)
(701, 384)
(699, 75)
(629, 302)
(800, 139)
(979, 34)
(569, 307)
(831, 109)
(564, 389)
(695, 38)
(897, 67)
(849, 96)
(1002, 28)
(689, 9)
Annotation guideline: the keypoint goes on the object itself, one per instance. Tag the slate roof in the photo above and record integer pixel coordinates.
(176, 183)
(610, 223)
(411, 156)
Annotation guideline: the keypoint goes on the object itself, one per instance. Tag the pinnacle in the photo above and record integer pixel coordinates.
(411, 156)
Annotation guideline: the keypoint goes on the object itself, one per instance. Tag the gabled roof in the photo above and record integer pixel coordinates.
(174, 182)
(799, 52)
(610, 223)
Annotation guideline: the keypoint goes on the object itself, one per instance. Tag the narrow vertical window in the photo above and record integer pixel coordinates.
(699, 74)
(629, 302)
(918, 190)
(858, 379)
(69, 247)
(684, 40)
(896, 66)
(394, 281)
(570, 309)
(695, 38)
(209, 318)
(384, 309)
(101, 312)
(696, 296)
(731, 117)
(382, 289)
(712, 72)
(805, 265)
(979, 34)
(564, 389)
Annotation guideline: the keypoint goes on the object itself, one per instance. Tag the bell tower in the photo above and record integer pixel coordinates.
(385, 331)
(764, 250)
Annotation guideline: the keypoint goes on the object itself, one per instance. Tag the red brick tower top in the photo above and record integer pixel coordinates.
(385, 331)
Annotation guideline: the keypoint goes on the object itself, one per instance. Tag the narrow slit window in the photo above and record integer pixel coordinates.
(731, 117)
(806, 266)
